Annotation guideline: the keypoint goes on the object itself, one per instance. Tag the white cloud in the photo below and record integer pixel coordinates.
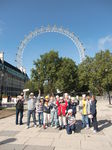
(105, 43)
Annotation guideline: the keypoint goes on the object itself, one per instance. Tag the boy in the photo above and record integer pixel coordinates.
(85, 110)
(71, 122)
(39, 109)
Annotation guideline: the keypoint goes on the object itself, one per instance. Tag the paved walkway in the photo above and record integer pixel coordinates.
(14, 137)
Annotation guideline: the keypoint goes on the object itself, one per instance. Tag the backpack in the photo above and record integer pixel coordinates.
(19, 105)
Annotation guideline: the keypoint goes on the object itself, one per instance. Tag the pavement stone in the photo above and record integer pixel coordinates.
(12, 147)
(16, 137)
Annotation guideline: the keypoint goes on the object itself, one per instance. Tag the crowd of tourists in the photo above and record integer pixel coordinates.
(58, 112)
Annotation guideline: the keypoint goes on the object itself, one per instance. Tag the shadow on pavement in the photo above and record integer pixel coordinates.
(7, 141)
(102, 124)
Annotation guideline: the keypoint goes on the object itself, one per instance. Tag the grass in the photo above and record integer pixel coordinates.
(6, 112)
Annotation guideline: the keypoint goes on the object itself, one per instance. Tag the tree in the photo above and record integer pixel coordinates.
(32, 86)
(95, 73)
(67, 75)
(101, 72)
(52, 72)
(84, 70)
(45, 71)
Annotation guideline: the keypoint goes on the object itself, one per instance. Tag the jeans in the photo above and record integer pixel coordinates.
(94, 122)
(69, 128)
(89, 121)
(85, 121)
(29, 116)
(54, 118)
(46, 119)
(17, 115)
(40, 118)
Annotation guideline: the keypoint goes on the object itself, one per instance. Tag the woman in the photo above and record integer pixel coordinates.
(93, 112)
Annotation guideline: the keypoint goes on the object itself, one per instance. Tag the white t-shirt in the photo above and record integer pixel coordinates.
(71, 119)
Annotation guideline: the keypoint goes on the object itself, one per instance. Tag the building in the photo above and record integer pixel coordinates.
(12, 80)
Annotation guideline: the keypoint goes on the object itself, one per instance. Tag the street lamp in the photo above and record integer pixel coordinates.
(107, 87)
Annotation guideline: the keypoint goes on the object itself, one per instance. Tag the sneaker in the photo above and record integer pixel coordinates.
(35, 126)
(39, 126)
(87, 127)
(55, 127)
(63, 127)
(21, 123)
(60, 128)
(44, 127)
(27, 127)
(94, 131)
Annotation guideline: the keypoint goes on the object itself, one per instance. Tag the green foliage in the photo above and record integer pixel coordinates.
(101, 74)
(95, 74)
(67, 75)
(52, 72)
(32, 86)
(84, 70)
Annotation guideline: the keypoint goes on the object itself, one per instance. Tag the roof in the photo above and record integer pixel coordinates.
(13, 70)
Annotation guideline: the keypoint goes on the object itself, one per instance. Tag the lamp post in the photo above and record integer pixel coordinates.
(107, 87)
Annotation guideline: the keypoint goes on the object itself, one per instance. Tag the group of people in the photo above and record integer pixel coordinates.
(58, 112)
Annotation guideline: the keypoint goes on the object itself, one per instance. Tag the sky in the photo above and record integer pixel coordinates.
(90, 20)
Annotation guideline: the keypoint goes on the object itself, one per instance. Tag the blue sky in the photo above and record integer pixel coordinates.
(90, 20)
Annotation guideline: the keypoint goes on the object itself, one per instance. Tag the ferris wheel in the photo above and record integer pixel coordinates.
(41, 30)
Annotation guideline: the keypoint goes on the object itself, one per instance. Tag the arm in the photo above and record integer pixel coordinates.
(88, 107)
(38, 95)
(73, 123)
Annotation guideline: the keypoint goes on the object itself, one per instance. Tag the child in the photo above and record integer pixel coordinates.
(46, 113)
(72, 105)
(62, 106)
(71, 122)
(93, 112)
(53, 108)
(85, 110)
(39, 109)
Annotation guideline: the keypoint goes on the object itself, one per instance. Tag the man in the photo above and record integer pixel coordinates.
(31, 110)
(19, 109)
